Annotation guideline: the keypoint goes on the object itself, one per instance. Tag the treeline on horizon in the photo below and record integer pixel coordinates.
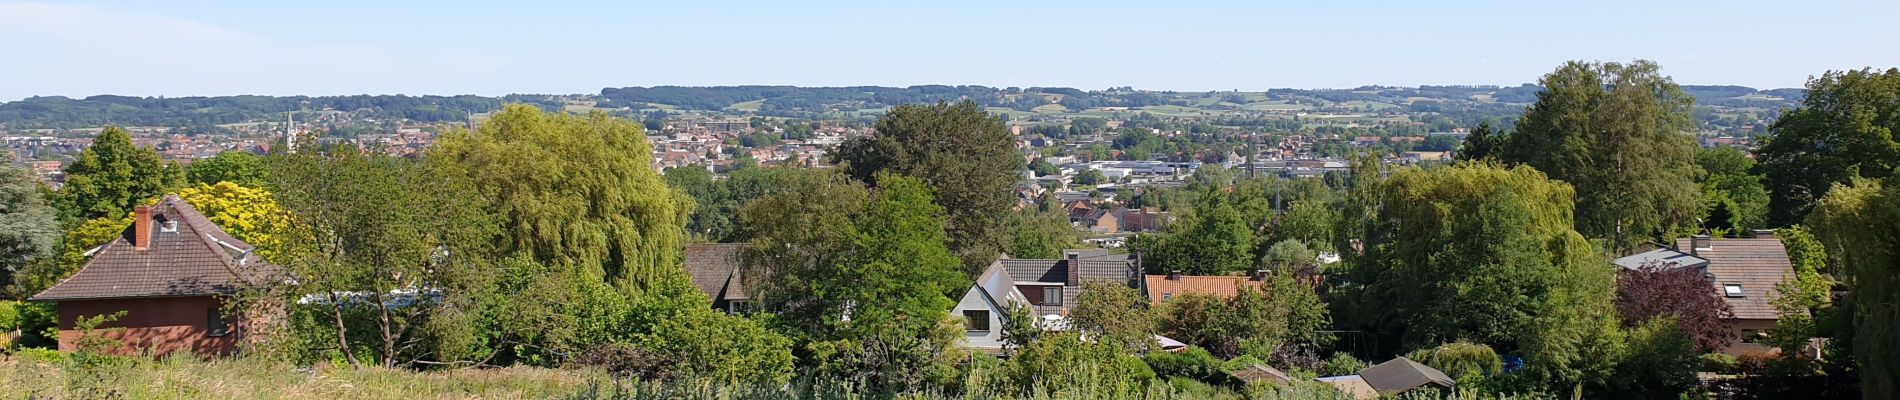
(41, 112)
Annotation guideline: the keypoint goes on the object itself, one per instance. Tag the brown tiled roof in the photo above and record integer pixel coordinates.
(714, 268)
(1161, 288)
(1758, 264)
(187, 261)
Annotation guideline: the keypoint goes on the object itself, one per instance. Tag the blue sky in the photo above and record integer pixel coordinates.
(183, 48)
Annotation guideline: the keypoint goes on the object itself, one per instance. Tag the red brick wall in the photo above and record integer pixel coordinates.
(162, 325)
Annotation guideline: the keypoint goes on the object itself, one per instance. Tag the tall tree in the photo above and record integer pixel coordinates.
(1843, 129)
(966, 156)
(111, 176)
(1860, 226)
(1485, 254)
(574, 190)
(1618, 133)
(28, 227)
(1116, 314)
(1215, 239)
(1481, 144)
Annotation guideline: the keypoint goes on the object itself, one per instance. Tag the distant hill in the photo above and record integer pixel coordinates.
(794, 102)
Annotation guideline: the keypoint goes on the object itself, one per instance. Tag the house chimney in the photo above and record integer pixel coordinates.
(1698, 243)
(1075, 269)
(1174, 275)
(141, 228)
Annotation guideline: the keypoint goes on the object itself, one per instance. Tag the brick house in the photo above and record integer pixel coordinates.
(172, 272)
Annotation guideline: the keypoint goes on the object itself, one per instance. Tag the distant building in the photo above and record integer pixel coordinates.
(1744, 270)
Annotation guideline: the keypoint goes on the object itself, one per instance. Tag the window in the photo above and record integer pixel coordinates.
(1166, 296)
(214, 323)
(1732, 290)
(1052, 295)
(976, 320)
(736, 306)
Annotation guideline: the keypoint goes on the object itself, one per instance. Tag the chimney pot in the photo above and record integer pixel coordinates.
(142, 227)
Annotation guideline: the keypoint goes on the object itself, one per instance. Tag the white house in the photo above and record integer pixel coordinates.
(984, 307)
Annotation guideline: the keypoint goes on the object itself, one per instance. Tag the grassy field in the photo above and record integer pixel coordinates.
(181, 378)
(750, 106)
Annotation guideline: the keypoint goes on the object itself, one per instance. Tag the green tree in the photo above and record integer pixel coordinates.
(1089, 176)
(1732, 188)
(1039, 234)
(235, 166)
(111, 176)
(1485, 254)
(375, 231)
(1213, 240)
(1481, 144)
(1312, 221)
(1860, 226)
(1843, 129)
(1042, 167)
(968, 158)
(1115, 314)
(576, 190)
(1462, 361)
(1617, 133)
(28, 226)
(248, 214)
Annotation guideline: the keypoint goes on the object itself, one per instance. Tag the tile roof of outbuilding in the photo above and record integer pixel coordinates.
(1160, 288)
(195, 259)
(714, 268)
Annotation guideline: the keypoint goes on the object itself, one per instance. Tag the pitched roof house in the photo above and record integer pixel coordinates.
(715, 270)
(1051, 286)
(171, 272)
(1744, 270)
(985, 306)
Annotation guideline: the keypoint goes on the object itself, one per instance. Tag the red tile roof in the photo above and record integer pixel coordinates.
(1160, 288)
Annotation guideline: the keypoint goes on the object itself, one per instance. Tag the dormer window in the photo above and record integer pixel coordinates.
(1732, 290)
(169, 227)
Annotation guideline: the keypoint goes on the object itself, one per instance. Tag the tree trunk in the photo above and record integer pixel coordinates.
(342, 331)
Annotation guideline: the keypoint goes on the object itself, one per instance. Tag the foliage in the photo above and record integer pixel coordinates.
(966, 156)
(1658, 362)
(1064, 359)
(240, 167)
(111, 176)
(1039, 235)
(1843, 130)
(1683, 296)
(247, 213)
(1214, 239)
(1485, 254)
(45, 272)
(574, 190)
(1089, 176)
(1194, 363)
(1342, 364)
(1115, 314)
(28, 226)
(1290, 254)
(1461, 361)
(1481, 144)
(393, 240)
(1282, 312)
(1310, 220)
(1736, 198)
(1615, 132)
(1858, 226)
(1805, 301)
(722, 348)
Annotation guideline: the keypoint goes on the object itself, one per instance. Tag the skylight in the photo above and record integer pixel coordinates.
(1732, 290)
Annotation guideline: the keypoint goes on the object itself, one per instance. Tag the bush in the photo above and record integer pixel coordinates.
(1194, 363)
(625, 360)
(1720, 363)
(1341, 364)
(1461, 360)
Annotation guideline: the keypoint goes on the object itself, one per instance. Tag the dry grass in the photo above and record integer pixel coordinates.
(24, 378)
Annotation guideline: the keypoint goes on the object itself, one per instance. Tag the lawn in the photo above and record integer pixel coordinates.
(750, 106)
